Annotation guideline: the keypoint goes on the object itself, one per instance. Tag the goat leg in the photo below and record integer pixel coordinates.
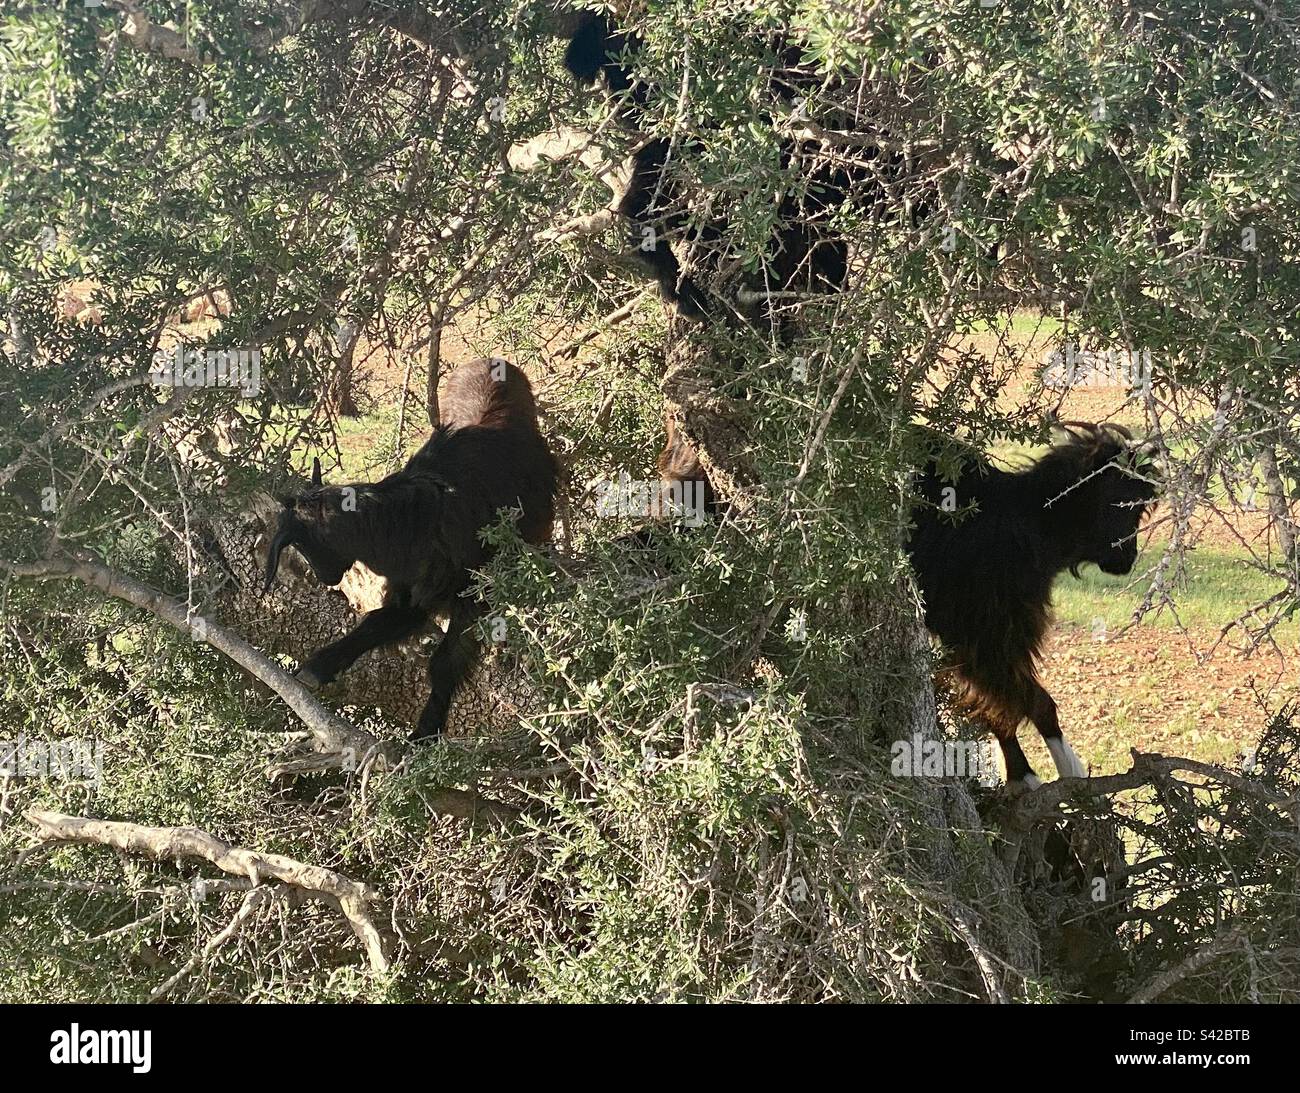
(448, 666)
(1020, 775)
(380, 627)
(1042, 713)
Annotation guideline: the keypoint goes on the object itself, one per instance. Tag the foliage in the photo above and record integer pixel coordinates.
(705, 808)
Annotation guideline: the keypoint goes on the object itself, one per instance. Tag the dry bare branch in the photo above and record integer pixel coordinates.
(1154, 988)
(332, 733)
(353, 899)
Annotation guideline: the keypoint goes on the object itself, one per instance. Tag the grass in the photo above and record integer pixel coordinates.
(1217, 588)
(1028, 323)
(366, 443)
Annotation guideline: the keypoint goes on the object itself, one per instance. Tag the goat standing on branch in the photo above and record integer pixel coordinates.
(806, 254)
(986, 576)
(420, 528)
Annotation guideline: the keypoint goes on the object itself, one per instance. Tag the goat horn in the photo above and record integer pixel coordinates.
(315, 472)
(273, 559)
(1077, 430)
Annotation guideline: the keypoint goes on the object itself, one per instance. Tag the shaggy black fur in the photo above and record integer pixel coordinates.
(420, 527)
(986, 570)
(807, 254)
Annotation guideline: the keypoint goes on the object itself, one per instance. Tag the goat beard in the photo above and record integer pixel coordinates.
(281, 540)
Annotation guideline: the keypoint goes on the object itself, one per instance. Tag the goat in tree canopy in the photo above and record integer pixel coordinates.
(420, 528)
(986, 576)
(807, 252)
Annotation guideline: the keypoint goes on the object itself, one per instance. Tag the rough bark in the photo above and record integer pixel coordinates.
(896, 691)
(712, 423)
(1279, 505)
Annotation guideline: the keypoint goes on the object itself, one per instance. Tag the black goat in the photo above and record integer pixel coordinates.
(807, 254)
(420, 527)
(986, 576)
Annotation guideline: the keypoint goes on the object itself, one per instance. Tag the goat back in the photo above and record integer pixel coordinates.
(980, 554)
(475, 471)
(490, 392)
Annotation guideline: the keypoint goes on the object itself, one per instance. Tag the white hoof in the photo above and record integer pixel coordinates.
(1068, 763)
(1017, 786)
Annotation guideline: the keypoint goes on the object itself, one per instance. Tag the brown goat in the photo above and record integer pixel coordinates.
(420, 527)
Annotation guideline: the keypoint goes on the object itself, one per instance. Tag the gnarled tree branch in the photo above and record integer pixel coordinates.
(331, 732)
(352, 898)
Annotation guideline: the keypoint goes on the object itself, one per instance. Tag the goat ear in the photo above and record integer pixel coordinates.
(1065, 432)
(310, 507)
(315, 472)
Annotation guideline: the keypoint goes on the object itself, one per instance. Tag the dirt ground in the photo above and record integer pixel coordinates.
(1149, 689)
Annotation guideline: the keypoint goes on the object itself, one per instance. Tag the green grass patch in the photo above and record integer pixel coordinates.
(1217, 588)
(1026, 322)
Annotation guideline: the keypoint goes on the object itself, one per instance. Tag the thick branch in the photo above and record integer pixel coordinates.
(566, 142)
(1146, 769)
(332, 733)
(1206, 954)
(713, 426)
(352, 898)
(556, 144)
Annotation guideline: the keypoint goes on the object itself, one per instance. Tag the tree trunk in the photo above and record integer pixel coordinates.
(1279, 505)
(888, 696)
(342, 390)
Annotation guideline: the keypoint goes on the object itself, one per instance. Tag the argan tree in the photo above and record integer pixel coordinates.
(691, 797)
